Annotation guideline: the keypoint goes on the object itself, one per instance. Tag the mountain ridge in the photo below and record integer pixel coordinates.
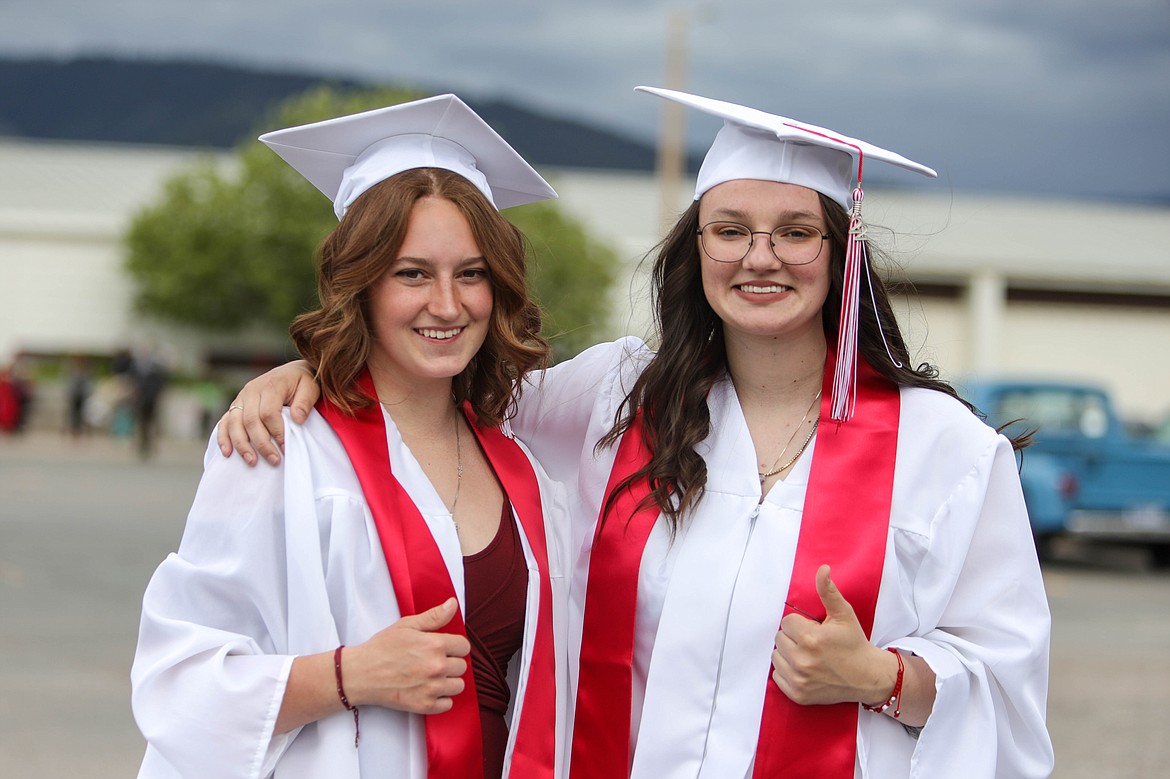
(204, 104)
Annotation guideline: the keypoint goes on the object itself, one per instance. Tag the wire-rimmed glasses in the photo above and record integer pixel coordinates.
(790, 244)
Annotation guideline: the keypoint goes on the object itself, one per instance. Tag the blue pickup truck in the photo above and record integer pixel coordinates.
(1084, 475)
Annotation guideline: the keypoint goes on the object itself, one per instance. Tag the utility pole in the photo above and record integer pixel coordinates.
(671, 154)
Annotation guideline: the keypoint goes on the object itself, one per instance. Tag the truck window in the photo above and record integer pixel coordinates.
(1056, 411)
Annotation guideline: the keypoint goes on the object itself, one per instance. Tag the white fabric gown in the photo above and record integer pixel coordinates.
(286, 561)
(961, 586)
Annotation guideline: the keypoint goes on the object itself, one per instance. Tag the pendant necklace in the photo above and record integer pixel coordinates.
(458, 469)
(458, 465)
(813, 429)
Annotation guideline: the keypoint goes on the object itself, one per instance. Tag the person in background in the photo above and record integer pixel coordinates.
(26, 392)
(210, 395)
(117, 393)
(79, 388)
(390, 601)
(10, 401)
(796, 554)
(149, 375)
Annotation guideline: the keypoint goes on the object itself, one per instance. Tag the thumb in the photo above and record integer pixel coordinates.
(432, 619)
(836, 607)
(305, 395)
(299, 412)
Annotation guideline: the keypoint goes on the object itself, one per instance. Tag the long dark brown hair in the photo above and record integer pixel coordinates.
(336, 338)
(671, 393)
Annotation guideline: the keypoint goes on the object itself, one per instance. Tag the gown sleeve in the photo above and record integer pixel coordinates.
(564, 410)
(211, 665)
(980, 598)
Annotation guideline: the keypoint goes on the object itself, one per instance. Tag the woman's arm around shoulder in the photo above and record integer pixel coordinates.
(253, 422)
(564, 410)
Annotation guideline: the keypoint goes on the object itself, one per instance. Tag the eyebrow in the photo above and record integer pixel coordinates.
(785, 217)
(427, 263)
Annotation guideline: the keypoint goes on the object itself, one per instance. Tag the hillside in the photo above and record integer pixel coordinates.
(204, 104)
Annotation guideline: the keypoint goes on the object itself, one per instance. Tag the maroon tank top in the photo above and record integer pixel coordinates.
(496, 586)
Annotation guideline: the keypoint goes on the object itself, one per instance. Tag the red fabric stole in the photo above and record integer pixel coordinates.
(846, 523)
(601, 727)
(534, 751)
(421, 581)
(846, 528)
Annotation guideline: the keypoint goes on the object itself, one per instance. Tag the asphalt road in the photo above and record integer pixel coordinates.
(83, 524)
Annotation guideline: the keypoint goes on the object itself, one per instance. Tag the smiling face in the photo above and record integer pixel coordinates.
(429, 311)
(760, 297)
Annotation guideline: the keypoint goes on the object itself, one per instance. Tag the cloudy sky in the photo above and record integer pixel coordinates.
(1038, 96)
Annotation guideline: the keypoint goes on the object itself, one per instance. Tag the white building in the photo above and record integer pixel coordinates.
(1009, 285)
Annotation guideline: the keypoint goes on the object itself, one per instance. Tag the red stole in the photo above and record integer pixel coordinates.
(601, 727)
(421, 581)
(845, 523)
(846, 528)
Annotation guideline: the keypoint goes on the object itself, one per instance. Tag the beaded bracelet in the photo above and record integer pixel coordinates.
(895, 699)
(357, 733)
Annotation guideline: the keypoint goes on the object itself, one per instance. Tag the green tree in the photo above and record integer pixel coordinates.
(225, 249)
(571, 276)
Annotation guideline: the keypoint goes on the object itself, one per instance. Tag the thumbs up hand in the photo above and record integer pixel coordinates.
(829, 661)
(411, 665)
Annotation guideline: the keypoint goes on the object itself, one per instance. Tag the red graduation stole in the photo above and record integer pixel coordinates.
(846, 528)
(601, 726)
(420, 580)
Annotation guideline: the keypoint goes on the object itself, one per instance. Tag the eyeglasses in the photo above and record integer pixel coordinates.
(791, 244)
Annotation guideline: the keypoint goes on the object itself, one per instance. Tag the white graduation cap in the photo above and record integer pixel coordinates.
(754, 144)
(345, 156)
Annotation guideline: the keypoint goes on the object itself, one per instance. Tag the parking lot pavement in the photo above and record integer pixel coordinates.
(82, 525)
(1109, 688)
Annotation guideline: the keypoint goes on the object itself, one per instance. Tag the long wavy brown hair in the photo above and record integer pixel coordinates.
(336, 338)
(671, 393)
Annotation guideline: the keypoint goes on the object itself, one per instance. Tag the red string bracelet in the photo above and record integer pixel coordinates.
(357, 733)
(895, 698)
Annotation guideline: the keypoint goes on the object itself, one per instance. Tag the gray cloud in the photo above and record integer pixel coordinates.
(1067, 96)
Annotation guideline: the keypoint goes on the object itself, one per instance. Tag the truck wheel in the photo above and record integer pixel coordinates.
(1160, 556)
(1044, 546)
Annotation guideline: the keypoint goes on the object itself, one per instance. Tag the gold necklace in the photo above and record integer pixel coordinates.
(765, 474)
(458, 463)
(458, 466)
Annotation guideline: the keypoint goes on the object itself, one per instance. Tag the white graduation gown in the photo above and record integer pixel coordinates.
(961, 586)
(286, 561)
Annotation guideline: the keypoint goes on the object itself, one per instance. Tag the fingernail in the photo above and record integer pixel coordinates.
(249, 459)
(273, 459)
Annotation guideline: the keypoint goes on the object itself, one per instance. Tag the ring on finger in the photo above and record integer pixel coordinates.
(234, 407)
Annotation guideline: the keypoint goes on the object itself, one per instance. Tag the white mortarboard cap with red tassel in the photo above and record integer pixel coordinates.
(754, 144)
